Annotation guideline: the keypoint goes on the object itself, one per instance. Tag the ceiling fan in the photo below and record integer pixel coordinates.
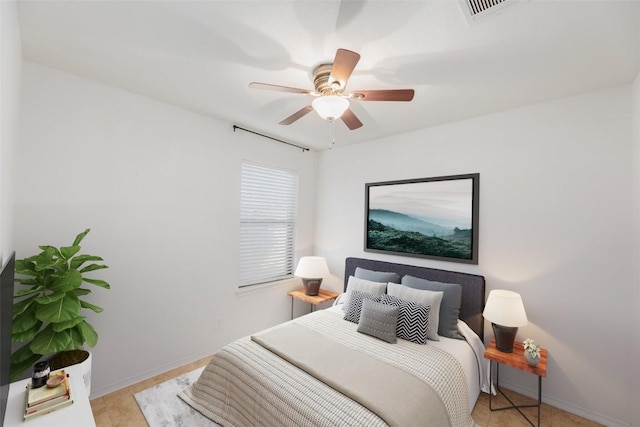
(331, 102)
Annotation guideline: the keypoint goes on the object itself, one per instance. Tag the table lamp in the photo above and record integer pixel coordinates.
(505, 311)
(312, 269)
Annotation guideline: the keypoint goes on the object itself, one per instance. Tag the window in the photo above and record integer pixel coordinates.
(268, 202)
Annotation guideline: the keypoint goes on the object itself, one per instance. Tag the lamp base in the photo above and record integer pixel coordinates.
(311, 286)
(505, 337)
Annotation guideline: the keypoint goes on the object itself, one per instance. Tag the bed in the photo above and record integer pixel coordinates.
(322, 370)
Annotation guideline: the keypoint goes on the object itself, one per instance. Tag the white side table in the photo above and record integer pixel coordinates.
(76, 415)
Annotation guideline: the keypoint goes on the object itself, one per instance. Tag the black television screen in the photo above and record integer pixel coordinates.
(6, 316)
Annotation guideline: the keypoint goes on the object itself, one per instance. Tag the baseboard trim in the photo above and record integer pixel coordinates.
(102, 391)
(565, 406)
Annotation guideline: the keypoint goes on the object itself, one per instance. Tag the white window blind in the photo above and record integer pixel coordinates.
(268, 205)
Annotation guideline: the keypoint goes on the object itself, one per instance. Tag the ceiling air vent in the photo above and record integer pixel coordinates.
(480, 6)
(475, 10)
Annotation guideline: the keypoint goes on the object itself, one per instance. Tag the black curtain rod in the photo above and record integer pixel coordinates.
(270, 137)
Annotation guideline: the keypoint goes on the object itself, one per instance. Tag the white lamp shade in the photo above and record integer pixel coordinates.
(312, 267)
(505, 308)
(330, 107)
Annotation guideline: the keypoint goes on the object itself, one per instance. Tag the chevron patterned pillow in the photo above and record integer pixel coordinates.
(424, 297)
(354, 306)
(413, 319)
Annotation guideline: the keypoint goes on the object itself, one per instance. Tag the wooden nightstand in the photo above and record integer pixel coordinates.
(515, 360)
(323, 296)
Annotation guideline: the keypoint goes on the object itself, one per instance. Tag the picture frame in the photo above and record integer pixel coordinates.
(435, 218)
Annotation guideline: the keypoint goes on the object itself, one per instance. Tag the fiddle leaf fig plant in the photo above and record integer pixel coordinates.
(47, 315)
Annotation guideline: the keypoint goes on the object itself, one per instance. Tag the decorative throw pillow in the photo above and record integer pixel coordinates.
(450, 306)
(430, 298)
(413, 319)
(355, 284)
(377, 276)
(379, 320)
(355, 305)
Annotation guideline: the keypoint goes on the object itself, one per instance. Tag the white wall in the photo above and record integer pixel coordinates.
(555, 225)
(635, 325)
(10, 66)
(159, 187)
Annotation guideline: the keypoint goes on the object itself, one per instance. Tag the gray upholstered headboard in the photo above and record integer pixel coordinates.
(472, 285)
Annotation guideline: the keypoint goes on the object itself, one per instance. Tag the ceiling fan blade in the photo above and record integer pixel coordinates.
(267, 86)
(297, 115)
(384, 95)
(351, 120)
(343, 65)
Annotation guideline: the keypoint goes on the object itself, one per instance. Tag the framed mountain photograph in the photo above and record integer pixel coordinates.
(434, 218)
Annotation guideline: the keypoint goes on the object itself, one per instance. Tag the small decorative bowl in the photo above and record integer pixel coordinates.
(55, 380)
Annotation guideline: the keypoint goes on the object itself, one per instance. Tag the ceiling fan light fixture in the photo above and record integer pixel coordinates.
(329, 81)
(330, 107)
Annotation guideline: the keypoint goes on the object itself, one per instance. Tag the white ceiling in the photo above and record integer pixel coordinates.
(201, 55)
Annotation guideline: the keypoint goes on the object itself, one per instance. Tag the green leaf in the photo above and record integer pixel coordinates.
(25, 321)
(67, 281)
(23, 264)
(31, 291)
(63, 309)
(25, 267)
(81, 292)
(77, 340)
(92, 267)
(97, 282)
(51, 298)
(21, 306)
(88, 333)
(59, 327)
(48, 341)
(21, 360)
(59, 265)
(26, 335)
(29, 281)
(50, 250)
(80, 236)
(81, 259)
(47, 250)
(95, 308)
(68, 251)
(45, 260)
(21, 354)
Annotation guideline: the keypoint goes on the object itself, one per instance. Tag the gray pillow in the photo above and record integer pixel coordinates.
(377, 276)
(362, 285)
(379, 320)
(449, 307)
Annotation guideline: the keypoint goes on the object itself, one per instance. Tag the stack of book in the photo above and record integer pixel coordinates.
(45, 399)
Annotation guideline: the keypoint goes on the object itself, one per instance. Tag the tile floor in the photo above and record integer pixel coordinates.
(119, 409)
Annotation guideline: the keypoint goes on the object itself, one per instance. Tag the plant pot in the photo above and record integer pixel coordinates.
(74, 357)
(531, 361)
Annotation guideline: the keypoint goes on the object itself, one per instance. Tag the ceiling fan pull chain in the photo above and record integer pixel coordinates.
(332, 134)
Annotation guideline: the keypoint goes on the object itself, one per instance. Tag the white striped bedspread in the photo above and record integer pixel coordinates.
(247, 385)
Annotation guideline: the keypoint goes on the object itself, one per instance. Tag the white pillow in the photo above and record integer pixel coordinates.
(423, 297)
(367, 286)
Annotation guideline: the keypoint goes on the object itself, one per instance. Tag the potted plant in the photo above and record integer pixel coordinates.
(47, 315)
(531, 352)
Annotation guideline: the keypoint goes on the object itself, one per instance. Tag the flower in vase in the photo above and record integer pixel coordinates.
(531, 347)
